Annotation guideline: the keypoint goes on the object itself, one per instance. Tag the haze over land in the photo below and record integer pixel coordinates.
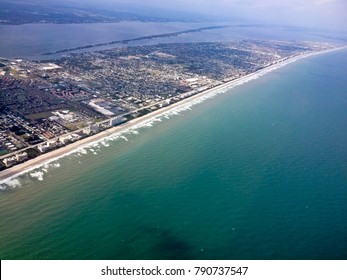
(310, 13)
(318, 14)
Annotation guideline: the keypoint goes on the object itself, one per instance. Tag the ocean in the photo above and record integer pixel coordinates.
(257, 172)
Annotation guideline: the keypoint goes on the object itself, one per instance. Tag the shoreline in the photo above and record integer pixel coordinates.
(27, 166)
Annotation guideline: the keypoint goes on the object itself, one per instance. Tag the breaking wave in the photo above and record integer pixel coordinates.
(37, 175)
(10, 183)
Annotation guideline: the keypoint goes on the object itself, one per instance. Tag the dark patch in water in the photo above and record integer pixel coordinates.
(170, 246)
(160, 244)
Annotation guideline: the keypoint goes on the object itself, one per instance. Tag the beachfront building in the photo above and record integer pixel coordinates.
(115, 121)
(10, 161)
(43, 148)
(75, 137)
(93, 128)
(52, 144)
(22, 156)
(15, 159)
(65, 139)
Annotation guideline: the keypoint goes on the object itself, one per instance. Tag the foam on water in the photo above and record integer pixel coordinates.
(37, 175)
(104, 143)
(82, 151)
(10, 183)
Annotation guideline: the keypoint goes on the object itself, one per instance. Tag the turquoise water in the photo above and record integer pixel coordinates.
(259, 172)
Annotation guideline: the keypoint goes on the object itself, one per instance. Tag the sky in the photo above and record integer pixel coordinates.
(320, 14)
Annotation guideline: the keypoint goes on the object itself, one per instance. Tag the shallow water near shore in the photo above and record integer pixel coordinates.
(259, 172)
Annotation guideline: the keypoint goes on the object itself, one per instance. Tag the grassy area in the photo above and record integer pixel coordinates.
(71, 127)
(32, 153)
(3, 152)
(43, 115)
(144, 111)
(80, 125)
(99, 119)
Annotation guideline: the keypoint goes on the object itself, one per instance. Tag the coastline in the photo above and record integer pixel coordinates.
(9, 174)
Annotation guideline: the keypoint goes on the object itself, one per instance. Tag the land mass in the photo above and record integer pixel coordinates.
(150, 37)
(49, 108)
(16, 12)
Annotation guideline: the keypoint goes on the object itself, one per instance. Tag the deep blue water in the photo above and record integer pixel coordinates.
(259, 172)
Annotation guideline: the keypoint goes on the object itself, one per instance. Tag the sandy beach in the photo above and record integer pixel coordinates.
(54, 155)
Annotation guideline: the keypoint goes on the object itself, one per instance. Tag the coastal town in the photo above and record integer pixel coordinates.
(45, 105)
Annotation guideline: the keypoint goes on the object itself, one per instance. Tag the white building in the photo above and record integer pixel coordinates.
(75, 137)
(43, 148)
(50, 66)
(115, 121)
(21, 156)
(93, 128)
(65, 139)
(52, 144)
(10, 161)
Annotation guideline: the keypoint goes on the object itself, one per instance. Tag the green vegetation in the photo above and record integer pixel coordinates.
(43, 115)
(32, 153)
(129, 117)
(144, 112)
(71, 127)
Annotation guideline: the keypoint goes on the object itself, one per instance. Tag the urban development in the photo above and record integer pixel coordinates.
(45, 105)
